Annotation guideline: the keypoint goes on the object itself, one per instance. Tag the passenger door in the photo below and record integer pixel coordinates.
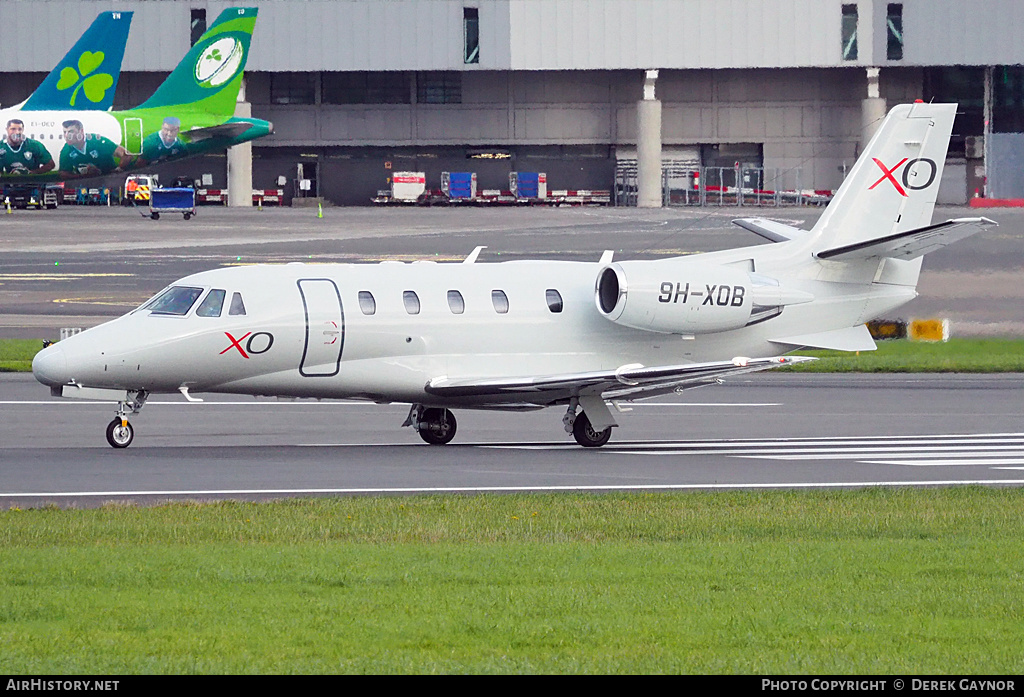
(325, 328)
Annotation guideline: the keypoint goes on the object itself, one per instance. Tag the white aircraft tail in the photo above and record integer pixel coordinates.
(893, 185)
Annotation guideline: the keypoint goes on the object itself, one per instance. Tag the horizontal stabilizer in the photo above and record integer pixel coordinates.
(224, 130)
(850, 339)
(769, 229)
(911, 243)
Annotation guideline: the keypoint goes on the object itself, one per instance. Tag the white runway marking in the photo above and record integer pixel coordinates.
(941, 450)
(504, 489)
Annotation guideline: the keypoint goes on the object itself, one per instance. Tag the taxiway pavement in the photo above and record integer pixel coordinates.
(760, 431)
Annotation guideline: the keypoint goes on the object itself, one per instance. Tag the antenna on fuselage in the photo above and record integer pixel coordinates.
(471, 259)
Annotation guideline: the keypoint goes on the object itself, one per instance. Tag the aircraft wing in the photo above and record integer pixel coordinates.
(626, 382)
(769, 229)
(911, 243)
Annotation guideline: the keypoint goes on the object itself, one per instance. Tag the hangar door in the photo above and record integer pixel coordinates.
(325, 328)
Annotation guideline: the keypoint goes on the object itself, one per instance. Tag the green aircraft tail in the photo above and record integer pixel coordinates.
(209, 76)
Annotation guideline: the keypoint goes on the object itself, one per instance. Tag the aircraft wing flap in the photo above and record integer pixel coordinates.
(624, 382)
(910, 244)
(769, 229)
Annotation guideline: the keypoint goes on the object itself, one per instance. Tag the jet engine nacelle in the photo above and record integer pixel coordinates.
(675, 297)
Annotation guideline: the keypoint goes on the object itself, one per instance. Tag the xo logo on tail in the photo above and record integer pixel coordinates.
(906, 175)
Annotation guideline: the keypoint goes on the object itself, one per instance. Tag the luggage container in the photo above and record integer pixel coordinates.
(182, 200)
(407, 187)
(459, 186)
(528, 185)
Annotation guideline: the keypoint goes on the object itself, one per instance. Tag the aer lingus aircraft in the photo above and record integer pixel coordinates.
(65, 131)
(531, 334)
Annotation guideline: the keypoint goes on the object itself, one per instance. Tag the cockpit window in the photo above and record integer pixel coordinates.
(176, 300)
(213, 304)
(237, 306)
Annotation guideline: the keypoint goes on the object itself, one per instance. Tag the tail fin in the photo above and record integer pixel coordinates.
(86, 77)
(893, 186)
(209, 76)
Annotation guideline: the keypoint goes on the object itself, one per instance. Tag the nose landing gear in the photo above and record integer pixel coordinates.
(119, 432)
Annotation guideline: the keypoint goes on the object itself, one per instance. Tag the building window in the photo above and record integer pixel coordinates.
(456, 303)
(293, 88)
(412, 302)
(894, 31)
(849, 32)
(198, 25)
(367, 304)
(365, 88)
(471, 35)
(500, 301)
(439, 88)
(554, 299)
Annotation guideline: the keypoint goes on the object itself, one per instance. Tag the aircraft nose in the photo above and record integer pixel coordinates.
(50, 366)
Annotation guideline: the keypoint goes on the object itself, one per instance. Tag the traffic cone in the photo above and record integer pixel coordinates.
(319, 209)
(7, 201)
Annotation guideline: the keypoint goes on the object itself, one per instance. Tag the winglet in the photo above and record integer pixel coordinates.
(86, 78)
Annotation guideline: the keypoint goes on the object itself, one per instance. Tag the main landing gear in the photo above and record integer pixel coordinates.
(119, 432)
(581, 429)
(435, 425)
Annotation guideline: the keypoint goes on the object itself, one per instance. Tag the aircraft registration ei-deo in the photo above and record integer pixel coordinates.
(531, 334)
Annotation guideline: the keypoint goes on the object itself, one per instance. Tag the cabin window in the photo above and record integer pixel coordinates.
(456, 302)
(176, 300)
(213, 304)
(500, 301)
(366, 302)
(237, 306)
(412, 302)
(554, 299)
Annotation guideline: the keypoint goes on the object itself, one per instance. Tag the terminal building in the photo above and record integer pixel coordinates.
(578, 89)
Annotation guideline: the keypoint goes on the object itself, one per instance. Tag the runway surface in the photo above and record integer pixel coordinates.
(764, 431)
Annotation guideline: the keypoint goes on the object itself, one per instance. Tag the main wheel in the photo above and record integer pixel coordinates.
(585, 434)
(120, 435)
(437, 426)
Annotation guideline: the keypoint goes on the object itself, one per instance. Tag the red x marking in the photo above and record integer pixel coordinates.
(236, 343)
(888, 175)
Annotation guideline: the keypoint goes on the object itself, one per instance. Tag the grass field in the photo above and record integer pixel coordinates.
(920, 581)
(894, 356)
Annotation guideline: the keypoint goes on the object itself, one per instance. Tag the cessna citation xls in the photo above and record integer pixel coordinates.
(532, 334)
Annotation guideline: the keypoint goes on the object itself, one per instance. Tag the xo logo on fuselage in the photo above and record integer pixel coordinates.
(257, 343)
(907, 164)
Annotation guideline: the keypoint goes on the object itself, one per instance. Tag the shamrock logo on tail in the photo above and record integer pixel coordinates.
(95, 86)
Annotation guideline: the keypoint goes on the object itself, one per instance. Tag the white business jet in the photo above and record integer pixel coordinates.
(532, 334)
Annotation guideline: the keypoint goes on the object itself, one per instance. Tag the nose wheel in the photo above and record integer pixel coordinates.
(120, 433)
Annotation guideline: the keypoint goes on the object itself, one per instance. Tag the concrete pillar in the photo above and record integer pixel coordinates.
(872, 110)
(240, 163)
(648, 146)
